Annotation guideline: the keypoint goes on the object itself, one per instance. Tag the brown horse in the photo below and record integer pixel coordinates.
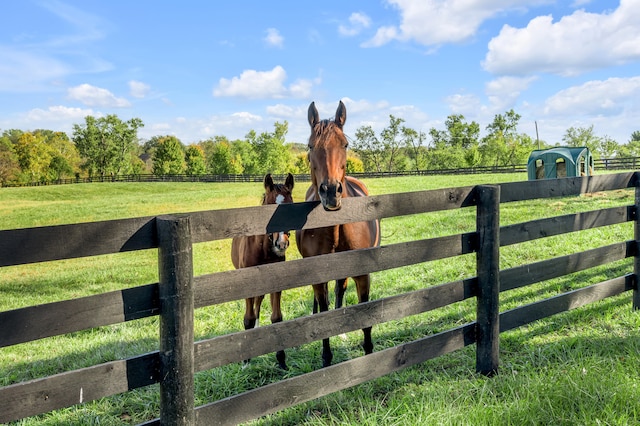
(261, 249)
(329, 185)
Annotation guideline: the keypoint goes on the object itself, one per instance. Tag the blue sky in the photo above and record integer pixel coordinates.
(200, 69)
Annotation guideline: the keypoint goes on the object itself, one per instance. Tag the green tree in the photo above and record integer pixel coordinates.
(195, 161)
(369, 148)
(244, 157)
(65, 158)
(354, 165)
(608, 147)
(302, 163)
(9, 167)
(221, 160)
(34, 156)
(272, 154)
(105, 143)
(168, 157)
(502, 146)
(583, 136)
(455, 147)
(414, 143)
(391, 138)
(632, 147)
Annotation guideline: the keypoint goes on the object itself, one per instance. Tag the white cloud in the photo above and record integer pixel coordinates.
(254, 84)
(576, 43)
(161, 127)
(57, 113)
(96, 96)
(357, 22)
(281, 110)
(465, 104)
(138, 89)
(595, 98)
(504, 91)
(383, 36)
(273, 38)
(435, 22)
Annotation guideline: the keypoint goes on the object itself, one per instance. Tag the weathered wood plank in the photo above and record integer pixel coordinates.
(271, 398)
(532, 273)
(74, 387)
(220, 224)
(175, 267)
(248, 282)
(235, 347)
(30, 245)
(564, 302)
(636, 260)
(488, 274)
(541, 228)
(549, 188)
(67, 316)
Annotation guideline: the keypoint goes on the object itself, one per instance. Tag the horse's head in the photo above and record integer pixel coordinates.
(277, 193)
(328, 156)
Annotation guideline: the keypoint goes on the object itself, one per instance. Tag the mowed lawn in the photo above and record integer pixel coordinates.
(575, 368)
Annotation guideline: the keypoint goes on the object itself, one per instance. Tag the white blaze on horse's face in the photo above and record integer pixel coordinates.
(280, 239)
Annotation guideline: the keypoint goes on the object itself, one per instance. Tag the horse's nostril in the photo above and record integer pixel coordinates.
(324, 188)
(339, 189)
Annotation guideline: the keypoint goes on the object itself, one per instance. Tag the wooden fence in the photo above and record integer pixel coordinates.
(178, 293)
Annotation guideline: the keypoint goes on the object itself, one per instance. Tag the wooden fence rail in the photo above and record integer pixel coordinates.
(178, 293)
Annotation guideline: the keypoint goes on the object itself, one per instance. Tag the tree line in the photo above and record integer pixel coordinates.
(109, 146)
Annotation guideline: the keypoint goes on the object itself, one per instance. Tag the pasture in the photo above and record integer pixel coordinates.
(574, 368)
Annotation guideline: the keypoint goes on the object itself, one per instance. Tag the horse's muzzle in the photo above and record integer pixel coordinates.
(331, 196)
(280, 243)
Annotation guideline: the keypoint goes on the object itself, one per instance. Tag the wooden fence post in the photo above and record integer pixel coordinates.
(636, 237)
(175, 267)
(488, 272)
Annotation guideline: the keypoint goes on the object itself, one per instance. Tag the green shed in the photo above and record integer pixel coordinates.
(560, 162)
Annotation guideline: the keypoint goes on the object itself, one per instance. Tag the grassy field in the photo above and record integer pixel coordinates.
(575, 368)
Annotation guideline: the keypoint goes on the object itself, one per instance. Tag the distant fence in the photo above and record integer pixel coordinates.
(630, 163)
(178, 293)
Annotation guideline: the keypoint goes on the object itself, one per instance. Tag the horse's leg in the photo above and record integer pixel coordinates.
(362, 287)
(276, 316)
(249, 316)
(321, 296)
(249, 313)
(257, 304)
(341, 288)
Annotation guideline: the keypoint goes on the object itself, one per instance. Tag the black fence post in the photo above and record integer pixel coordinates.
(175, 267)
(636, 237)
(488, 272)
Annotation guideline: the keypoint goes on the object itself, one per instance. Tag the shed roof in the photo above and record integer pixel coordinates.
(568, 153)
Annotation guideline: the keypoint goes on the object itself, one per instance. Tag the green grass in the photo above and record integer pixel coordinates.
(575, 368)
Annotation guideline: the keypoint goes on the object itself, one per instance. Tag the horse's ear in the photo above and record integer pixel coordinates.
(341, 115)
(289, 182)
(312, 115)
(268, 182)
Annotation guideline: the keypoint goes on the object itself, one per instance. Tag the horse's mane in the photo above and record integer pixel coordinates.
(324, 129)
